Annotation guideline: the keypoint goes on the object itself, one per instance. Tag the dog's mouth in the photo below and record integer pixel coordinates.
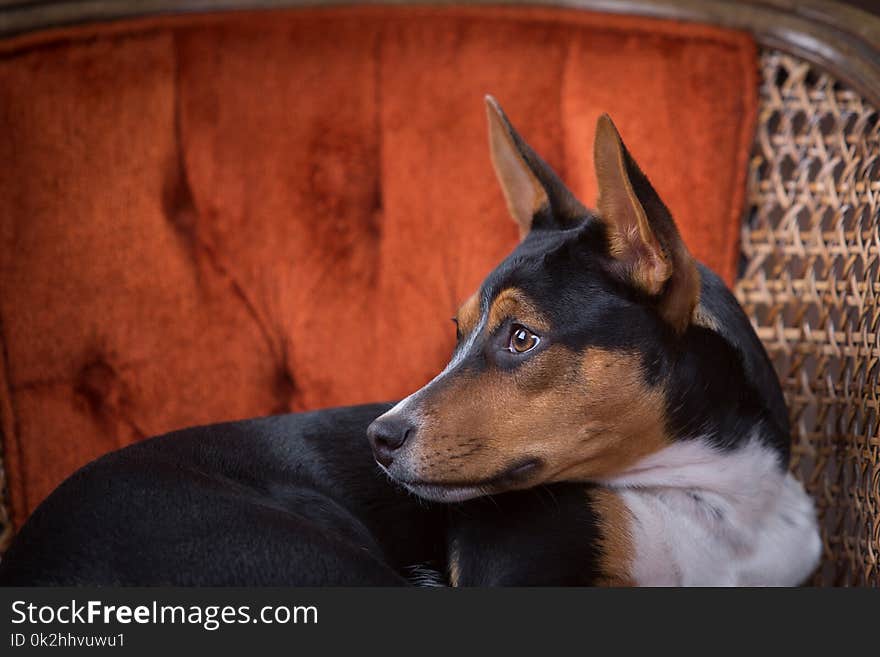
(514, 476)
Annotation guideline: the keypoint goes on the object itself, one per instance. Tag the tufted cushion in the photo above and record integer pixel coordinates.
(213, 217)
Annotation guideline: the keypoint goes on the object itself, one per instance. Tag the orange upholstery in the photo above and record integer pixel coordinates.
(213, 217)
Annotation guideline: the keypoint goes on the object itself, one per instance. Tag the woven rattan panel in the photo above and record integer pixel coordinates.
(811, 250)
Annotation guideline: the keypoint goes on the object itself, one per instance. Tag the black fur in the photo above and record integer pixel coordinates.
(545, 536)
(292, 500)
(287, 500)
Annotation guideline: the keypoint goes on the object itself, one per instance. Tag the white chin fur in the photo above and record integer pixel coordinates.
(445, 494)
(448, 494)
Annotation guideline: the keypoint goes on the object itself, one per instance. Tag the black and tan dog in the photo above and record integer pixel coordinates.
(600, 351)
(608, 417)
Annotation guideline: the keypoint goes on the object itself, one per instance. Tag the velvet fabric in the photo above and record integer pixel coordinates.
(213, 217)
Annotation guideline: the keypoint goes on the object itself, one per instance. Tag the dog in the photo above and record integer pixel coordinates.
(608, 417)
(600, 351)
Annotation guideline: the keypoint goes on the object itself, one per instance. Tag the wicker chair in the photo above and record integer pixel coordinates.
(810, 246)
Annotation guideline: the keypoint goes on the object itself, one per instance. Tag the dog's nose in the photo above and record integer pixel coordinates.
(387, 435)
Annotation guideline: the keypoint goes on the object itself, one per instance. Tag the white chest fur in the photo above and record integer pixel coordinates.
(705, 517)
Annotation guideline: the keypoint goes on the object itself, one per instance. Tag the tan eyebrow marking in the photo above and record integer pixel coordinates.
(513, 302)
(468, 315)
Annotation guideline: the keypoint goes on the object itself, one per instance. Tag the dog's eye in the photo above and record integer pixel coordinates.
(457, 329)
(522, 339)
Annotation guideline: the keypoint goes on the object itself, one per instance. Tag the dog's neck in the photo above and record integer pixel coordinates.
(706, 516)
(695, 464)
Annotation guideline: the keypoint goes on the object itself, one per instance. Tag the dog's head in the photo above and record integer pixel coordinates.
(560, 371)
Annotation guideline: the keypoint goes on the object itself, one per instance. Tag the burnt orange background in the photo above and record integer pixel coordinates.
(216, 217)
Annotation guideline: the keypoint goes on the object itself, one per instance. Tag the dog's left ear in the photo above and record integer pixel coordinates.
(646, 248)
(535, 195)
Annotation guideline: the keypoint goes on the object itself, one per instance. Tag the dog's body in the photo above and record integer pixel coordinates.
(288, 500)
(607, 394)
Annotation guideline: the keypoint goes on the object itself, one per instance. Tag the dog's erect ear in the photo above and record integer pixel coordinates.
(646, 249)
(535, 195)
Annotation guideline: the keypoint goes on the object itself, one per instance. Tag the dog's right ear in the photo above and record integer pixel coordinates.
(535, 195)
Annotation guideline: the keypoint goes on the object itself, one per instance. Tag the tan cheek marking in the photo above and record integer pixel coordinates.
(513, 302)
(624, 418)
(469, 314)
(615, 543)
(479, 423)
(589, 416)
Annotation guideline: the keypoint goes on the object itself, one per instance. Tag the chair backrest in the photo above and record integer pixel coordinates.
(210, 217)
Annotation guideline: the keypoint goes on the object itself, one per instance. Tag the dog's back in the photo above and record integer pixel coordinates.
(288, 500)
